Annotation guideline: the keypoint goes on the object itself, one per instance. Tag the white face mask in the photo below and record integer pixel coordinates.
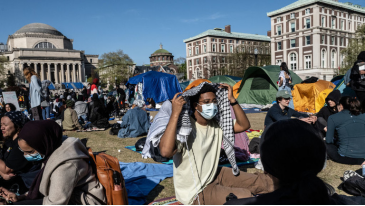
(209, 111)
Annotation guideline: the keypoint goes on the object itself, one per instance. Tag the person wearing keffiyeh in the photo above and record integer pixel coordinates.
(192, 133)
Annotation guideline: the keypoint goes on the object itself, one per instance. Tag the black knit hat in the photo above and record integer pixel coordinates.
(361, 56)
(70, 103)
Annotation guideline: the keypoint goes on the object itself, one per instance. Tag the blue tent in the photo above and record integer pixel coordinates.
(157, 85)
(236, 79)
(51, 87)
(345, 91)
(68, 85)
(78, 85)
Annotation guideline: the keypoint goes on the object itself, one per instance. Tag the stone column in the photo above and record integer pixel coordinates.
(56, 73)
(68, 73)
(80, 72)
(73, 72)
(49, 71)
(42, 72)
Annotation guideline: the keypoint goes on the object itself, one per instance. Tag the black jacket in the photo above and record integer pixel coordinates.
(326, 111)
(357, 84)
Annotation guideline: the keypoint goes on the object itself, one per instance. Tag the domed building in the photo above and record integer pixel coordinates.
(162, 57)
(49, 52)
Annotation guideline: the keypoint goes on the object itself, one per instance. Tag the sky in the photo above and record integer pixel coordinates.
(138, 26)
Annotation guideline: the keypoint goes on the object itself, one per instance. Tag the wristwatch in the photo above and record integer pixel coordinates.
(232, 104)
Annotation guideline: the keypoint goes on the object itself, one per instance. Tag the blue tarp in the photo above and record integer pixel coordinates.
(157, 85)
(68, 85)
(141, 178)
(78, 85)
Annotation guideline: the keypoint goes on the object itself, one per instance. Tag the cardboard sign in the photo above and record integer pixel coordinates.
(10, 97)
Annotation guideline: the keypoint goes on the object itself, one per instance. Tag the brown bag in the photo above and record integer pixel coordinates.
(104, 166)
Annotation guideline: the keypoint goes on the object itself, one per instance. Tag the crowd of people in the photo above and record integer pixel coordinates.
(39, 165)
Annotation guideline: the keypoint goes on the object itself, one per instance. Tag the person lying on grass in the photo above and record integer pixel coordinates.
(197, 177)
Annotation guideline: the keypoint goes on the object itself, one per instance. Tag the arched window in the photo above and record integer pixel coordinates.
(293, 61)
(45, 45)
(333, 59)
(323, 58)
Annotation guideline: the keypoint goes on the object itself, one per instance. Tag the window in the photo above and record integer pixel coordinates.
(163, 58)
(323, 39)
(205, 41)
(230, 41)
(279, 46)
(333, 23)
(205, 59)
(223, 60)
(278, 62)
(342, 41)
(323, 21)
(279, 30)
(213, 48)
(213, 40)
(323, 58)
(222, 40)
(197, 61)
(231, 49)
(332, 40)
(349, 25)
(333, 59)
(293, 61)
(342, 24)
(243, 42)
(292, 43)
(278, 19)
(292, 15)
(307, 40)
(196, 50)
(307, 11)
(189, 52)
(91, 61)
(205, 48)
(159, 58)
(243, 49)
(189, 44)
(222, 48)
(214, 60)
(292, 26)
(189, 62)
(308, 23)
(308, 62)
(45, 45)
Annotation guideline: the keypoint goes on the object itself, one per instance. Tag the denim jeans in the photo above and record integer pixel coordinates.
(83, 118)
(45, 112)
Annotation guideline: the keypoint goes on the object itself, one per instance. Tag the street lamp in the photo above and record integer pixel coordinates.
(255, 52)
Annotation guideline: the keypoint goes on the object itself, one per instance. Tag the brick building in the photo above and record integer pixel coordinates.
(211, 48)
(309, 35)
(163, 58)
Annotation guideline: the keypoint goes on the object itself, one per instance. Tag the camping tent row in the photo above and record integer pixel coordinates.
(157, 85)
(71, 85)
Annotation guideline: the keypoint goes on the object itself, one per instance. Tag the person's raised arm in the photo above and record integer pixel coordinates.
(242, 122)
(168, 140)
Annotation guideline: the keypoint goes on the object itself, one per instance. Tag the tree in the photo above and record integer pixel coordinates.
(354, 47)
(114, 65)
(181, 65)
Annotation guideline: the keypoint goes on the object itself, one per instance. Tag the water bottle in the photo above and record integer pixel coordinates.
(363, 170)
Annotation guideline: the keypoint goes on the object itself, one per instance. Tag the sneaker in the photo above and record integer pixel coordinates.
(349, 173)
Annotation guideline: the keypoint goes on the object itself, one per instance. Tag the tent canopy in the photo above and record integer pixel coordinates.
(236, 79)
(259, 85)
(222, 79)
(345, 91)
(51, 87)
(184, 85)
(310, 97)
(196, 83)
(157, 85)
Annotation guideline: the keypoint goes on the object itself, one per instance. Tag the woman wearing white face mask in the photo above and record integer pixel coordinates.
(66, 176)
(197, 177)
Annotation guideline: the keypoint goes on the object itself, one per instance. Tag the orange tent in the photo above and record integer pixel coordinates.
(196, 83)
(235, 89)
(311, 97)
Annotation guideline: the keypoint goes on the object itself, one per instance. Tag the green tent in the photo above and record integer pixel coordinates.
(222, 79)
(183, 85)
(259, 85)
(236, 79)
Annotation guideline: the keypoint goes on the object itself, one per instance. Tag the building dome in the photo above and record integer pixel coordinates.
(38, 28)
(161, 51)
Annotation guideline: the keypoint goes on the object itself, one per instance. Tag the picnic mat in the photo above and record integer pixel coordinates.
(140, 179)
(250, 161)
(166, 201)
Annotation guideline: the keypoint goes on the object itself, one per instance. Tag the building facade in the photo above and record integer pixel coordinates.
(208, 51)
(49, 52)
(309, 35)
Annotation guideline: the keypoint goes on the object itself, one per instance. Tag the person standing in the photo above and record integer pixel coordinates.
(45, 104)
(121, 100)
(34, 92)
(285, 80)
(358, 77)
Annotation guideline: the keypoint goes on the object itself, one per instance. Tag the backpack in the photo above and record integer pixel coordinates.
(109, 175)
(354, 185)
(115, 129)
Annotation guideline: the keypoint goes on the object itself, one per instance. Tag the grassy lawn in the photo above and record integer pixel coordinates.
(102, 141)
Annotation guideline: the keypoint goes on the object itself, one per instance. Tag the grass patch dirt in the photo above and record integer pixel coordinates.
(102, 141)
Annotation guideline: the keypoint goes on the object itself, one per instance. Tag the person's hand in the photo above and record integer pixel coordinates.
(325, 129)
(230, 92)
(307, 120)
(362, 72)
(177, 104)
(7, 176)
(313, 118)
(9, 196)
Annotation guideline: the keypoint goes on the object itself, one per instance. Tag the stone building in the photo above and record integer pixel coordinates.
(49, 52)
(309, 35)
(211, 48)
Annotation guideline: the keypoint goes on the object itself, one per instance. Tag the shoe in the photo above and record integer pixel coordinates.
(349, 173)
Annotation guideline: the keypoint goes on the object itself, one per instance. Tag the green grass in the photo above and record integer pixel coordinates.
(102, 141)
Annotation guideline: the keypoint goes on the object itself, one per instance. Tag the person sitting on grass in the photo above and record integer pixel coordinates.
(280, 110)
(195, 145)
(349, 124)
(331, 108)
(14, 168)
(70, 120)
(98, 115)
(286, 156)
(81, 109)
(66, 176)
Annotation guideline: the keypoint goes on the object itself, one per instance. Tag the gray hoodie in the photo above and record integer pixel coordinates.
(68, 178)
